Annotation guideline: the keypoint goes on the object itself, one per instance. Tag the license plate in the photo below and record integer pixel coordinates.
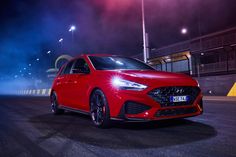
(179, 98)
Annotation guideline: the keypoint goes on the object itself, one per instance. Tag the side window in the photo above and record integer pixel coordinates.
(68, 68)
(80, 66)
(60, 71)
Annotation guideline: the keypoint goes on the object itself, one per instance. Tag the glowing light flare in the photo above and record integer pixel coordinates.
(72, 28)
(189, 55)
(168, 60)
(60, 40)
(119, 62)
(184, 30)
(116, 81)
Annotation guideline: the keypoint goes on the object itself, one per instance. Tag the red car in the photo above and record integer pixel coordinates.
(111, 87)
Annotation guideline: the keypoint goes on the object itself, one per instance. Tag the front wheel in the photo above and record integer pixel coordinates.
(99, 109)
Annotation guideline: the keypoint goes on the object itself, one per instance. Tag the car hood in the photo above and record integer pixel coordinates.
(152, 77)
(151, 74)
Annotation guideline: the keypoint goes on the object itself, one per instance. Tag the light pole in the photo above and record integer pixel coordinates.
(184, 31)
(144, 34)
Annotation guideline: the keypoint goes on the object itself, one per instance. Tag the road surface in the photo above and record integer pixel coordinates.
(27, 128)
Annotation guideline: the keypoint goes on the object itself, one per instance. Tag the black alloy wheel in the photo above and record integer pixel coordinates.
(99, 109)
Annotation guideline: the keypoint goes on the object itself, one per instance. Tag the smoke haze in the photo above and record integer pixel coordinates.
(28, 29)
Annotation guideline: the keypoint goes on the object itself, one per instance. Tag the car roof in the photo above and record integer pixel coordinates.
(97, 55)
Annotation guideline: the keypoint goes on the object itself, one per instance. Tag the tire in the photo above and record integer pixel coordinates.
(99, 109)
(54, 105)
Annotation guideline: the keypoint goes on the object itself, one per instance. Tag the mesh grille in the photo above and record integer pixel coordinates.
(162, 95)
(135, 108)
(175, 112)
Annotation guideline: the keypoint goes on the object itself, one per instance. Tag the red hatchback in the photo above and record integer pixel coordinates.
(120, 88)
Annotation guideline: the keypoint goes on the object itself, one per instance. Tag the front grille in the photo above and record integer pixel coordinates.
(135, 108)
(162, 95)
(175, 112)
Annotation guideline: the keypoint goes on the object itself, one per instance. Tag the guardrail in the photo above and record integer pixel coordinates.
(35, 92)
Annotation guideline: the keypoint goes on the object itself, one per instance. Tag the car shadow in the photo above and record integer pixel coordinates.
(156, 134)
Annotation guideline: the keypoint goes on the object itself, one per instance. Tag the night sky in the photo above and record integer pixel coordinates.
(30, 28)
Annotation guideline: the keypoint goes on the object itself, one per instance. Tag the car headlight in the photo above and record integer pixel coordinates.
(127, 85)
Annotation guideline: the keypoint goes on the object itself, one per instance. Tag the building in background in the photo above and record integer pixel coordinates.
(210, 58)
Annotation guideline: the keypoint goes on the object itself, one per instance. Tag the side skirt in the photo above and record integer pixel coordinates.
(74, 110)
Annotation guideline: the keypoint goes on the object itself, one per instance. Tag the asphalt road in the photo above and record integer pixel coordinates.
(27, 128)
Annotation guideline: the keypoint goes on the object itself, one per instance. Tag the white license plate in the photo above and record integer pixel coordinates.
(179, 98)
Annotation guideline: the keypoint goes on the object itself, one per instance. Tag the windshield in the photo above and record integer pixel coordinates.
(114, 62)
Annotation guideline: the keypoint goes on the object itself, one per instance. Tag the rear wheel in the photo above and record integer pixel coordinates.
(54, 105)
(99, 109)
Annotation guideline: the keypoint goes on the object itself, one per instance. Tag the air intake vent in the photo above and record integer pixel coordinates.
(135, 108)
(175, 112)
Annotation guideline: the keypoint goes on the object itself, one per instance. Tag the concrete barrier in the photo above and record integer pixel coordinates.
(47, 92)
(35, 92)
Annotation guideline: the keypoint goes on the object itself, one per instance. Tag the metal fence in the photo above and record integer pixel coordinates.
(217, 67)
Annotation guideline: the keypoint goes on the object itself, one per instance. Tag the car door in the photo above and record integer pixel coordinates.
(66, 85)
(80, 83)
(59, 85)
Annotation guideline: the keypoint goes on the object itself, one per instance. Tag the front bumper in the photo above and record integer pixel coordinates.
(146, 108)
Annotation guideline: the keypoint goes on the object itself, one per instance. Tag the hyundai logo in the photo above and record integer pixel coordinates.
(180, 91)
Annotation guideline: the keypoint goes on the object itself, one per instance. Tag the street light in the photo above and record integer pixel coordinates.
(184, 31)
(37, 59)
(72, 28)
(61, 41)
(48, 52)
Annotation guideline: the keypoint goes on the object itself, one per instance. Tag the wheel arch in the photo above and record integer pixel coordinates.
(51, 92)
(104, 92)
(91, 92)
